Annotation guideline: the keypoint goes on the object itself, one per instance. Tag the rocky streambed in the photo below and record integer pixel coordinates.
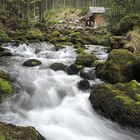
(57, 93)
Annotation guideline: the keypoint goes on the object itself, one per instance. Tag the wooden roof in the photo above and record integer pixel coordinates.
(95, 10)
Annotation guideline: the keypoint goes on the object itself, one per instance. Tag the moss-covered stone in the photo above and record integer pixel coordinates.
(74, 69)
(85, 59)
(31, 63)
(118, 67)
(5, 89)
(119, 102)
(12, 132)
(35, 34)
(58, 66)
(55, 34)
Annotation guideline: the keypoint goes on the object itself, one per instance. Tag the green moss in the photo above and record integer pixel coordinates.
(34, 34)
(85, 59)
(79, 67)
(125, 100)
(34, 62)
(64, 39)
(119, 66)
(62, 45)
(11, 132)
(80, 50)
(6, 88)
(55, 34)
(120, 102)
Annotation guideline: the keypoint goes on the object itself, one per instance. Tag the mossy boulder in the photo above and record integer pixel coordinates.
(62, 45)
(31, 63)
(35, 34)
(85, 59)
(119, 102)
(55, 34)
(74, 69)
(5, 89)
(58, 66)
(118, 67)
(12, 132)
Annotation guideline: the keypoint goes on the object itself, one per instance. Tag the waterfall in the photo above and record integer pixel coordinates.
(50, 100)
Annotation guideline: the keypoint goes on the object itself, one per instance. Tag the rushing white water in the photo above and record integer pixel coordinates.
(51, 102)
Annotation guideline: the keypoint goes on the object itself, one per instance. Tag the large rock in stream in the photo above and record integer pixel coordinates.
(12, 132)
(119, 102)
(31, 63)
(6, 89)
(83, 84)
(119, 66)
(58, 66)
(74, 69)
(85, 59)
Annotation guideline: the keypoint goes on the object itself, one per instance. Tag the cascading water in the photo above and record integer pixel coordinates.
(50, 101)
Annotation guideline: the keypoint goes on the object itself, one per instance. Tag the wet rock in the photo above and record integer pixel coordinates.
(84, 84)
(74, 69)
(58, 66)
(119, 102)
(85, 59)
(12, 132)
(87, 74)
(6, 89)
(31, 63)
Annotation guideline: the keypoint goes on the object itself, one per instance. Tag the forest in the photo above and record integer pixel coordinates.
(69, 69)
